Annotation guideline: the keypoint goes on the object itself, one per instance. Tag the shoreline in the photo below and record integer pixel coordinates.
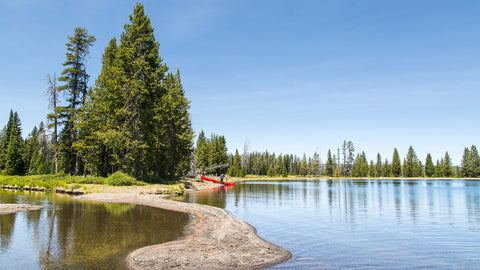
(214, 239)
(292, 178)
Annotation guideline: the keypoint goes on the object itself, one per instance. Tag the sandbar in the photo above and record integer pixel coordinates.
(213, 239)
(10, 208)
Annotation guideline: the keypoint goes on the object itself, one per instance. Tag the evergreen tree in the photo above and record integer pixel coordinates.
(447, 166)
(412, 167)
(13, 147)
(201, 152)
(136, 119)
(470, 162)
(279, 166)
(378, 166)
(387, 169)
(235, 169)
(396, 166)
(371, 171)
(315, 165)
(348, 157)
(329, 166)
(360, 166)
(304, 166)
(76, 79)
(429, 166)
(176, 129)
(439, 169)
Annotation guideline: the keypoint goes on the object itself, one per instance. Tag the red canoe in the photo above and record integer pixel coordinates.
(216, 181)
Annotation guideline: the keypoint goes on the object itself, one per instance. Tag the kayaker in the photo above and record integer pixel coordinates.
(221, 178)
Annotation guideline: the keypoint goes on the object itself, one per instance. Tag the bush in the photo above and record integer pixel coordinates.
(120, 179)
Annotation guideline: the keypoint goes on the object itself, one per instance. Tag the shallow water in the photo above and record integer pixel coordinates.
(361, 224)
(80, 235)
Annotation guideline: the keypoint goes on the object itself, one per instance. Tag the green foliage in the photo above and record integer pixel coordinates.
(470, 162)
(50, 181)
(271, 172)
(360, 166)
(396, 166)
(329, 166)
(12, 150)
(379, 166)
(120, 179)
(137, 117)
(213, 152)
(75, 78)
(303, 166)
(429, 166)
(412, 166)
(387, 169)
(371, 169)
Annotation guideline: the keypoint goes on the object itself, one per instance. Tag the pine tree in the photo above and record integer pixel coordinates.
(329, 166)
(470, 162)
(315, 164)
(396, 166)
(429, 166)
(201, 152)
(387, 169)
(304, 166)
(348, 156)
(279, 165)
(412, 167)
(371, 170)
(13, 147)
(447, 166)
(378, 166)
(177, 132)
(76, 79)
(439, 168)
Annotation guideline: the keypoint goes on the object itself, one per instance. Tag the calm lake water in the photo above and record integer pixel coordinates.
(361, 224)
(80, 235)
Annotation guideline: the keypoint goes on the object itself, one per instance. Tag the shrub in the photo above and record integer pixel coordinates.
(120, 179)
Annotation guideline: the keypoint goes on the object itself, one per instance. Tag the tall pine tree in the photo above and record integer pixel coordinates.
(75, 78)
(396, 165)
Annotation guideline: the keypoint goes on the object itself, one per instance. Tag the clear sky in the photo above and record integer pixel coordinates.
(286, 76)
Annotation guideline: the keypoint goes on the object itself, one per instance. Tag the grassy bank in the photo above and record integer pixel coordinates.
(116, 183)
(51, 181)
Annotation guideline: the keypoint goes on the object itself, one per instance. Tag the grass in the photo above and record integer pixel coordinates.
(51, 181)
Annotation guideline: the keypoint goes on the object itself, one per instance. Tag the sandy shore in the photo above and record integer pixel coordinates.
(214, 239)
(14, 208)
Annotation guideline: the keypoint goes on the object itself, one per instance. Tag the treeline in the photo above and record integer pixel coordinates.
(134, 119)
(345, 163)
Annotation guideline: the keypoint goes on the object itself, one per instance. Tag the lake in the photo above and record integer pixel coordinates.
(72, 234)
(361, 224)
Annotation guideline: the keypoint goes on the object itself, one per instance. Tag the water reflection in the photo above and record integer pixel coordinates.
(80, 235)
(362, 224)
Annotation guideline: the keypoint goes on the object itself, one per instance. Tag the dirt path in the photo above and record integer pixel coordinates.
(213, 240)
(14, 208)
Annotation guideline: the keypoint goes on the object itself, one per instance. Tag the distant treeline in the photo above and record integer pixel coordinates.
(346, 163)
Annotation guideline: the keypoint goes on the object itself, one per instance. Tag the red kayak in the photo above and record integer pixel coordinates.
(216, 181)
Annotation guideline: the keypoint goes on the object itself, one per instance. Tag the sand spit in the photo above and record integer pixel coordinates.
(214, 239)
(6, 208)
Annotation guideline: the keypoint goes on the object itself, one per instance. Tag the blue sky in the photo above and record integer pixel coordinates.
(286, 76)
